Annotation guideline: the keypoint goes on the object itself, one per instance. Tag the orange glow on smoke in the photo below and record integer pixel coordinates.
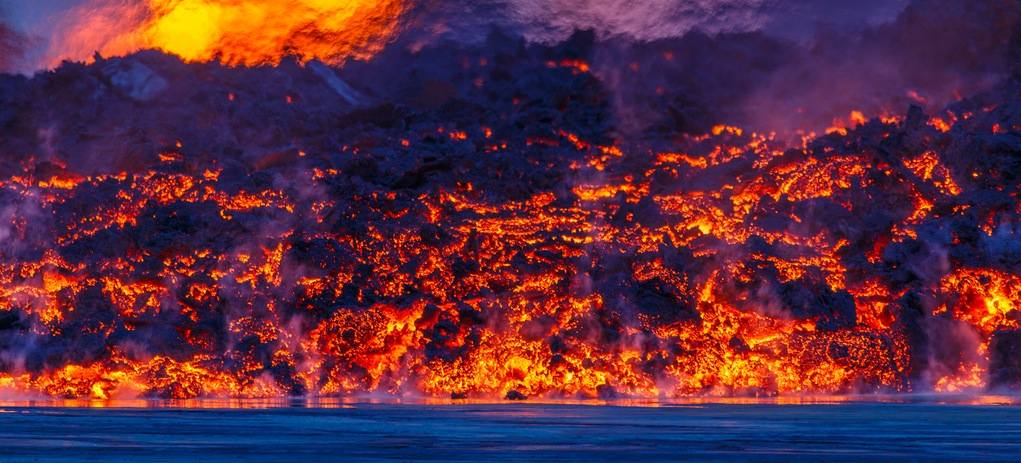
(238, 32)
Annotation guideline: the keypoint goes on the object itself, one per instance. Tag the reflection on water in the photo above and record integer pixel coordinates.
(348, 402)
(888, 428)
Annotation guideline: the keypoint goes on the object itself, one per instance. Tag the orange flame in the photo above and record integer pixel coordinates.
(238, 32)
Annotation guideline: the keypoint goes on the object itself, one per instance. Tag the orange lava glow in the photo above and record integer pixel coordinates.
(236, 32)
(527, 265)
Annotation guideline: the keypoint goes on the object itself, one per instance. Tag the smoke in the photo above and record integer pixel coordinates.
(952, 346)
(769, 65)
(933, 53)
(661, 19)
(546, 21)
(74, 29)
(11, 43)
(554, 21)
(26, 29)
(774, 65)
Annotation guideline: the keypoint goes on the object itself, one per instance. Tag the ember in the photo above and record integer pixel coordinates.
(356, 214)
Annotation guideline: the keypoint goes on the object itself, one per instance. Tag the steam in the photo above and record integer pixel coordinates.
(661, 19)
(770, 82)
(75, 29)
(11, 44)
(769, 65)
(932, 54)
(554, 21)
(772, 65)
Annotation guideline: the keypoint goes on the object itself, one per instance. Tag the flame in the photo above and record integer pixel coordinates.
(237, 32)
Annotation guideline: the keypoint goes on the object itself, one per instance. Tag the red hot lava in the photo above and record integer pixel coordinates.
(477, 227)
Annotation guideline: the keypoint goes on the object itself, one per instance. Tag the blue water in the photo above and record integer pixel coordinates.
(919, 430)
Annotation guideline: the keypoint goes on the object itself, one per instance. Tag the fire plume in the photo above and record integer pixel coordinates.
(236, 32)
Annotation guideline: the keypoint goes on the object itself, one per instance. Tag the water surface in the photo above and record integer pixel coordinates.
(975, 429)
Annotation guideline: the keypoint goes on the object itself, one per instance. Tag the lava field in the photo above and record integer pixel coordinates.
(502, 220)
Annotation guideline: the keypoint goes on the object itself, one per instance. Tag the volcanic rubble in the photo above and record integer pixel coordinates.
(475, 221)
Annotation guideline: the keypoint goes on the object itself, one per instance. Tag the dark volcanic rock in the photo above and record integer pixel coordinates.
(1005, 359)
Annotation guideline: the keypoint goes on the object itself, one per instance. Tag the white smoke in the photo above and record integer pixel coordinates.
(652, 19)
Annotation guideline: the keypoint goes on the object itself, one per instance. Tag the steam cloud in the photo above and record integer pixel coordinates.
(769, 64)
(53, 24)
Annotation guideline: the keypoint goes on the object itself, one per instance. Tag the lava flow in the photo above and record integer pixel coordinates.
(476, 222)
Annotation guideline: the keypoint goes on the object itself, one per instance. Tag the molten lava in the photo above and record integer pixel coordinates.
(449, 292)
(235, 32)
(477, 226)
